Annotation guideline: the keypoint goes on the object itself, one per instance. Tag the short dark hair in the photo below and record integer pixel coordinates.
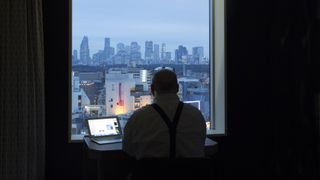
(165, 81)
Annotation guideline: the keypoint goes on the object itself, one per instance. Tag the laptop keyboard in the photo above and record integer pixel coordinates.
(105, 140)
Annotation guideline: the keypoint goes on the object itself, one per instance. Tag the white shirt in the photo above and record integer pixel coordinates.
(147, 135)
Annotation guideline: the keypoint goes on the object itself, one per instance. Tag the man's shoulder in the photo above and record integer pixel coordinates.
(191, 109)
(143, 110)
(140, 114)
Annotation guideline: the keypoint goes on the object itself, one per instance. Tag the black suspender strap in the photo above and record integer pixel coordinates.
(172, 126)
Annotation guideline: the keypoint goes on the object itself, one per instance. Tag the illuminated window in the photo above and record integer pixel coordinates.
(116, 45)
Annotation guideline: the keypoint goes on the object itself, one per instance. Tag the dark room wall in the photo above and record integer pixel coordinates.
(272, 63)
(271, 75)
(63, 160)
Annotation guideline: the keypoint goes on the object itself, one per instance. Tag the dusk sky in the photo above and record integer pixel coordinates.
(174, 22)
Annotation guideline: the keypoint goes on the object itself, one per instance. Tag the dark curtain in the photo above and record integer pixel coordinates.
(22, 122)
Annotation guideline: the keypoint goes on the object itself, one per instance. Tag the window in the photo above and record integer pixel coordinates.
(117, 45)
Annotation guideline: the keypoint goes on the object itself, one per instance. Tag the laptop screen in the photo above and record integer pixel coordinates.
(104, 126)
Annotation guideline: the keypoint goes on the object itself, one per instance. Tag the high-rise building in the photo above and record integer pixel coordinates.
(120, 47)
(122, 57)
(148, 55)
(99, 57)
(197, 55)
(75, 55)
(135, 53)
(107, 47)
(167, 57)
(180, 54)
(112, 51)
(84, 51)
(156, 53)
(127, 49)
(163, 51)
(135, 47)
(123, 54)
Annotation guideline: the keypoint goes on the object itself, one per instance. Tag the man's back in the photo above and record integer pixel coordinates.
(147, 135)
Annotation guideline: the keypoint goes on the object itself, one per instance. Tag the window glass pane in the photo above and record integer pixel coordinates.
(117, 45)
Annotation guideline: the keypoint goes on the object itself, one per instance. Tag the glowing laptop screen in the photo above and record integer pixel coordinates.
(104, 127)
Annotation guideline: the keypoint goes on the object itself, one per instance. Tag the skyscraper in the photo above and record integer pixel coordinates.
(156, 53)
(75, 56)
(107, 47)
(167, 57)
(135, 53)
(99, 57)
(120, 47)
(197, 54)
(127, 49)
(180, 53)
(134, 47)
(111, 51)
(163, 51)
(84, 51)
(148, 55)
(123, 54)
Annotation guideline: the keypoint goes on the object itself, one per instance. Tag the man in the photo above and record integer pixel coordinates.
(167, 128)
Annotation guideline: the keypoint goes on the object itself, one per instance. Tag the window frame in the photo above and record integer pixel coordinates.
(217, 9)
(219, 55)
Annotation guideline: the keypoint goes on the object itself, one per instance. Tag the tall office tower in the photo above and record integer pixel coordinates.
(135, 53)
(99, 58)
(167, 57)
(120, 47)
(127, 49)
(111, 51)
(197, 55)
(75, 55)
(148, 55)
(84, 51)
(134, 47)
(156, 54)
(180, 54)
(163, 51)
(121, 58)
(107, 47)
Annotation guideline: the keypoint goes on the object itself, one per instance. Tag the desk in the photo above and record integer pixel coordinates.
(114, 152)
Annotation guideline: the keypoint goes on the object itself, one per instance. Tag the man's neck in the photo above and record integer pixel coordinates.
(168, 97)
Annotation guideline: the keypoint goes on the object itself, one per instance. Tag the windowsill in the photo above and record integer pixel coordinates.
(210, 133)
(214, 132)
(76, 138)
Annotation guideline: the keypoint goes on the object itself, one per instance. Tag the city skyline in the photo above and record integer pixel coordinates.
(142, 47)
(184, 22)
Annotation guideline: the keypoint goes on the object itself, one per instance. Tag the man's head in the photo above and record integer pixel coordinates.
(164, 82)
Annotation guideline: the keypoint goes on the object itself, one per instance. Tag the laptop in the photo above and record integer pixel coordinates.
(105, 130)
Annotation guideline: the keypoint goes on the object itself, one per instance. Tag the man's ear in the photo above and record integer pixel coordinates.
(177, 88)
